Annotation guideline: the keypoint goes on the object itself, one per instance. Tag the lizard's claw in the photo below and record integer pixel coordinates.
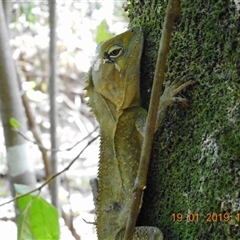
(180, 99)
(94, 223)
(179, 85)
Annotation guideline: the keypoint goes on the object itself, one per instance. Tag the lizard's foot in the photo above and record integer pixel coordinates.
(144, 233)
(169, 96)
(171, 90)
(147, 233)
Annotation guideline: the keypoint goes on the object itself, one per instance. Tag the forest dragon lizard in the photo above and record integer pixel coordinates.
(114, 97)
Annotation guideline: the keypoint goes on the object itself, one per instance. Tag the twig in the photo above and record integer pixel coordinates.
(38, 140)
(55, 150)
(52, 177)
(32, 125)
(69, 223)
(173, 10)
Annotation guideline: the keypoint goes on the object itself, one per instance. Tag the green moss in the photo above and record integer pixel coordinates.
(196, 155)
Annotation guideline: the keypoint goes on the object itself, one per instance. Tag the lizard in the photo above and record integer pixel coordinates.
(113, 92)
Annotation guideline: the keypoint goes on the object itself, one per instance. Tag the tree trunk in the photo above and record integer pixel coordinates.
(195, 162)
(54, 185)
(7, 8)
(18, 156)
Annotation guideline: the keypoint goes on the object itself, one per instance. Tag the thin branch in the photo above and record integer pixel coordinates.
(55, 150)
(53, 176)
(173, 10)
(33, 126)
(68, 149)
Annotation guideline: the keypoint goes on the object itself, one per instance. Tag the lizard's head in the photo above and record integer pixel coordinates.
(116, 69)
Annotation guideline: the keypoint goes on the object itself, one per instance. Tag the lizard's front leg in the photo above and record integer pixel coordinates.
(94, 185)
(169, 97)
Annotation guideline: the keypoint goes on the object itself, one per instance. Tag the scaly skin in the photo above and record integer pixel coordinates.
(114, 96)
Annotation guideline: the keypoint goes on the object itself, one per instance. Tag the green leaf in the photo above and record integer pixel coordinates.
(38, 219)
(102, 32)
(14, 123)
(22, 189)
(24, 224)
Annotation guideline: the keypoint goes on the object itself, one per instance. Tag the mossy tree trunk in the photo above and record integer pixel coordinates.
(195, 165)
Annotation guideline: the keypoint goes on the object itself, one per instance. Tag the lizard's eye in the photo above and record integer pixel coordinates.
(115, 52)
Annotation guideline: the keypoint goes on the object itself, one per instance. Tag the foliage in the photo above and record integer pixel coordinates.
(14, 123)
(102, 32)
(38, 219)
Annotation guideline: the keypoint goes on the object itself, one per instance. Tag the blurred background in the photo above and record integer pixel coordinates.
(80, 26)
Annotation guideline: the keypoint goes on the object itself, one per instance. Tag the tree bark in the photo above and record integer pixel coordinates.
(195, 161)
